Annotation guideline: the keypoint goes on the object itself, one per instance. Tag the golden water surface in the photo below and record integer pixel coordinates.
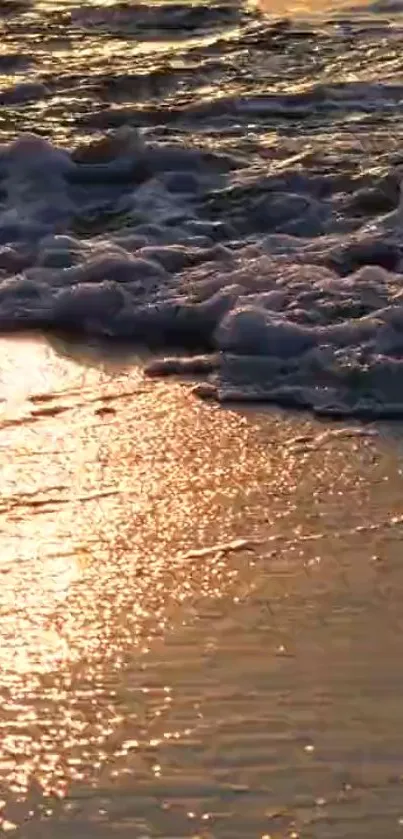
(200, 629)
(200, 609)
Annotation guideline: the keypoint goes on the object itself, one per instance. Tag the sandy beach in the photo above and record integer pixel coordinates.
(200, 611)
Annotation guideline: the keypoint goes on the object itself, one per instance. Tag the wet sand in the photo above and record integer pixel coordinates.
(200, 625)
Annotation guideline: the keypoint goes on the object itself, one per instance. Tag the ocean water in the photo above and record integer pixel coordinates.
(200, 612)
(200, 604)
(217, 183)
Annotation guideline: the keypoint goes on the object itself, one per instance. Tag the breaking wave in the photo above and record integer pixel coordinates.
(279, 288)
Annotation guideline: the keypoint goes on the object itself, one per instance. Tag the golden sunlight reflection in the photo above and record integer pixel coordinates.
(307, 7)
(131, 520)
(98, 515)
(274, 6)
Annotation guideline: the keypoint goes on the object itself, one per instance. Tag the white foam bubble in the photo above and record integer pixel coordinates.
(304, 321)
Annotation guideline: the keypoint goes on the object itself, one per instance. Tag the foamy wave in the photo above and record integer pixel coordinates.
(122, 242)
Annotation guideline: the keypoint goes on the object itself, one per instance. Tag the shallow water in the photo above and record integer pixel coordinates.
(200, 604)
(200, 612)
(211, 179)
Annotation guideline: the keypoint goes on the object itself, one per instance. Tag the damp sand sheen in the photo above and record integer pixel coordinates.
(201, 587)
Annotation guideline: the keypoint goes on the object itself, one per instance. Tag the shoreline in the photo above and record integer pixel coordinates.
(211, 591)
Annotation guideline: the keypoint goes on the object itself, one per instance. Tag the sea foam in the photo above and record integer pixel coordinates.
(168, 248)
